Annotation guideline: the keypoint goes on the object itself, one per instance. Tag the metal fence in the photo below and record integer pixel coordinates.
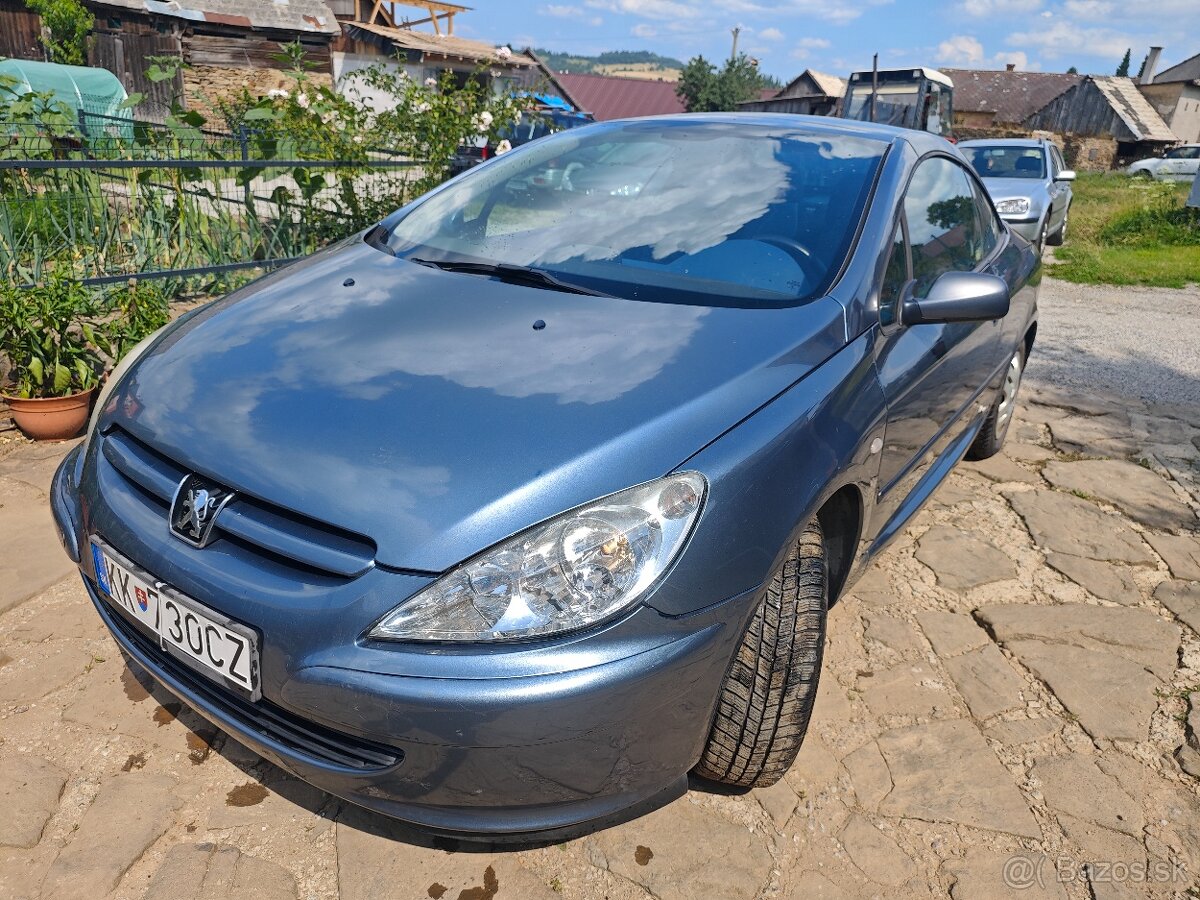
(119, 205)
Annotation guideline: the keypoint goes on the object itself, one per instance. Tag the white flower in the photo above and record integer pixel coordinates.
(278, 94)
(431, 82)
(483, 121)
(503, 147)
(358, 139)
(302, 100)
(421, 107)
(503, 53)
(326, 118)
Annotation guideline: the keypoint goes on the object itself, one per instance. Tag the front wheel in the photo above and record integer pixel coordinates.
(768, 693)
(995, 427)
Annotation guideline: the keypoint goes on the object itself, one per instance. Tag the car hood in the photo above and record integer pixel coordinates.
(424, 410)
(1003, 188)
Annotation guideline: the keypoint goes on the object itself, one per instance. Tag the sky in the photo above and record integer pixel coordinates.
(839, 36)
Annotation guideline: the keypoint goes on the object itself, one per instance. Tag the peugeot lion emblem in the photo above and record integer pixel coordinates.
(194, 509)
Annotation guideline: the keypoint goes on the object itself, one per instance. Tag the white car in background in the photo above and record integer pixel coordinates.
(1180, 164)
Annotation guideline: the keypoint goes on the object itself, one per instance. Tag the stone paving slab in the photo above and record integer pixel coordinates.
(1013, 682)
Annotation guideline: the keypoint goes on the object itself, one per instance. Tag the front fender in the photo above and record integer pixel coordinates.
(772, 472)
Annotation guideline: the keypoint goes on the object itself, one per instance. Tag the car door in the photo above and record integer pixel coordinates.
(1060, 191)
(931, 373)
(1190, 163)
(1178, 164)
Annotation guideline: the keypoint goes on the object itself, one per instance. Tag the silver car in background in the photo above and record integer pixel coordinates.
(1029, 183)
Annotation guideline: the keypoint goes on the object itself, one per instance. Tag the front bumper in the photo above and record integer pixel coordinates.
(1028, 228)
(581, 734)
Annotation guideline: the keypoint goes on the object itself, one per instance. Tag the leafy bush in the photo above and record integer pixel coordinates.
(68, 24)
(52, 335)
(1130, 231)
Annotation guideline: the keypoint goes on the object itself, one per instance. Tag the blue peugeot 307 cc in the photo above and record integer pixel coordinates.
(510, 512)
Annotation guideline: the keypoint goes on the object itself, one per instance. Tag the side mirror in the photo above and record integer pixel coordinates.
(957, 297)
(1066, 175)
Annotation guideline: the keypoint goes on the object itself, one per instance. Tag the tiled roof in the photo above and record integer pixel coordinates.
(280, 15)
(608, 97)
(445, 45)
(1012, 96)
(1135, 110)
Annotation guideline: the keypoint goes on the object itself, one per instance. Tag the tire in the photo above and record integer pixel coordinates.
(1041, 241)
(1060, 235)
(995, 427)
(767, 697)
(1144, 174)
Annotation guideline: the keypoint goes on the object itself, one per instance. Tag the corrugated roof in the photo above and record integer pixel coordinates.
(1142, 119)
(1012, 96)
(279, 15)
(609, 97)
(445, 45)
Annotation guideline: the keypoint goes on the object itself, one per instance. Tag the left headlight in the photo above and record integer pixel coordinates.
(572, 571)
(1017, 205)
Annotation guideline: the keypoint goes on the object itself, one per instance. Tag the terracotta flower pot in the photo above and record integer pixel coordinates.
(51, 418)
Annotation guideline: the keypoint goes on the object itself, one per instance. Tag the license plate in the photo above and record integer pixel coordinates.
(208, 642)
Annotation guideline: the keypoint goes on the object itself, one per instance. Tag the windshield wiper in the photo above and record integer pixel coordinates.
(508, 273)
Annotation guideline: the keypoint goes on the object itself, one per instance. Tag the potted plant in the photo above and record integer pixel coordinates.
(51, 335)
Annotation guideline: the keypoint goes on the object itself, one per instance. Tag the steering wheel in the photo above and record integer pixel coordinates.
(801, 255)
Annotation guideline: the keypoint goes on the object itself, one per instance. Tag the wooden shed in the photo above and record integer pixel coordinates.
(227, 44)
(1111, 107)
(810, 93)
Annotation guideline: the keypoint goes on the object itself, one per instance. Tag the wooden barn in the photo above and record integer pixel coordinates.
(1107, 107)
(227, 44)
(811, 93)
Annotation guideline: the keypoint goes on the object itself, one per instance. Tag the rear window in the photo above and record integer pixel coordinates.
(698, 212)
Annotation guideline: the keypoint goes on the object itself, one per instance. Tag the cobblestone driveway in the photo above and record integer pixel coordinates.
(1005, 697)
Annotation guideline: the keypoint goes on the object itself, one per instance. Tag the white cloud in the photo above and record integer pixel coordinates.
(981, 8)
(838, 12)
(771, 34)
(648, 9)
(805, 46)
(1014, 58)
(1061, 37)
(960, 49)
(563, 12)
(1088, 9)
(643, 30)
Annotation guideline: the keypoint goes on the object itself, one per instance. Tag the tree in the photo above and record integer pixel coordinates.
(1142, 67)
(704, 88)
(68, 23)
(1123, 68)
(1072, 71)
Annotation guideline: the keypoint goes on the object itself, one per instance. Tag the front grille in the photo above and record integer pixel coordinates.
(263, 718)
(270, 529)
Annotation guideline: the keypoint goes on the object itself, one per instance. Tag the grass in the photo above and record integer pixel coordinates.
(1130, 231)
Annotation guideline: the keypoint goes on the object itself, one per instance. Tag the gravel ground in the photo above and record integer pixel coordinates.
(1119, 342)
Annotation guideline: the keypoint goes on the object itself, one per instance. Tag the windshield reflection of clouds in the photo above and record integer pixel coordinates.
(586, 359)
(637, 193)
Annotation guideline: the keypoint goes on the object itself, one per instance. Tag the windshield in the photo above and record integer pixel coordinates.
(680, 211)
(531, 126)
(1006, 162)
(895, 104)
